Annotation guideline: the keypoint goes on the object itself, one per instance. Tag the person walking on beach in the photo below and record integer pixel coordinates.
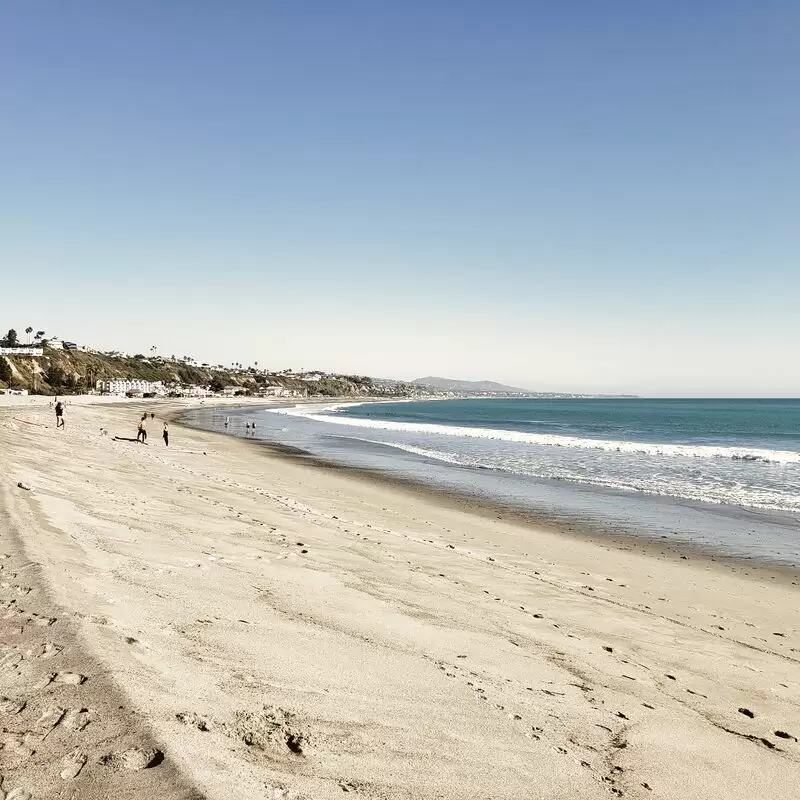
(141, 435)
(166, 435)
(152, 415)
(59, 415)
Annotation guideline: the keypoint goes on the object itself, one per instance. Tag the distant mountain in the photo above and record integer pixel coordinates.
(468, 387)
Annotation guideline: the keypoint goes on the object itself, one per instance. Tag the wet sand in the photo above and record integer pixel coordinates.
(278, 630)
(584, 529)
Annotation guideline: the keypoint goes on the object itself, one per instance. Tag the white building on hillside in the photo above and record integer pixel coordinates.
(128, 386)
(31, 352)
(195, 391)
(281, 391)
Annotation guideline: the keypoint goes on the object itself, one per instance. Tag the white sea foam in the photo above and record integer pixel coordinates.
(437, 455)
(752, 454)
(663, 485)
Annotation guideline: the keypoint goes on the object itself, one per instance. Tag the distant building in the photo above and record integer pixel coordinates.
(56, 344)
(15, 391)
(31, 352)
(130, 387)
(281, 391)
(195, 391)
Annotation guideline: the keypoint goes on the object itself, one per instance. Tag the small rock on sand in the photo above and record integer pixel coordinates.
(138, 758)
(70, 678)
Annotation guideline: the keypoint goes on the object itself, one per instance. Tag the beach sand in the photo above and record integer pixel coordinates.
(256, 627)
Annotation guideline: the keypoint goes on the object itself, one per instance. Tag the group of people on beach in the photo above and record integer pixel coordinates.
(249, 426)
(141, 435)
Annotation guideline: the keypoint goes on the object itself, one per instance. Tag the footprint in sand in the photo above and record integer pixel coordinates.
(196, 721)
(19, 747)
(10, 660)
(77, 719)
(44, 650)
(51, 717)
(18, 794)
(12, 706)
(72, 764)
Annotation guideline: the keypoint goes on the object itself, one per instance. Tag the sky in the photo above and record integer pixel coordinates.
(575, 196)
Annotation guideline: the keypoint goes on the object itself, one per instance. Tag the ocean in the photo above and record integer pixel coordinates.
(723, 474)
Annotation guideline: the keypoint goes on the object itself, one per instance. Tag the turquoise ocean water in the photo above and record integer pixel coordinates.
(722, 473)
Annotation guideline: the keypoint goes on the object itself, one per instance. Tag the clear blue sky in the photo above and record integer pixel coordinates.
(575, 195)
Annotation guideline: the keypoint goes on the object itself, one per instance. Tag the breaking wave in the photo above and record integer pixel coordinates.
(740, 453)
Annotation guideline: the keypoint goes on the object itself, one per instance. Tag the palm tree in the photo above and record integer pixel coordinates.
(39, 335)
(29, 331)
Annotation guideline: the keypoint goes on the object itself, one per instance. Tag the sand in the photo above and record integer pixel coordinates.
(211, 620)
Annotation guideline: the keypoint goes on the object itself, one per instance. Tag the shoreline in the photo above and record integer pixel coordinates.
(580, 528)
(290, 632)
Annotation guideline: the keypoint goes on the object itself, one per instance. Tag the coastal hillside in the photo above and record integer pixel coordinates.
(60, 371)
(468, 387)
(434, 384)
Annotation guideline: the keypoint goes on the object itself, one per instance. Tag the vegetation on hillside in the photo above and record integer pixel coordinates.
(76, 372)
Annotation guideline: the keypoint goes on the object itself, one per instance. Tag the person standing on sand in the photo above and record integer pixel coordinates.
(166, 435)
(141, 435)
(59, 414)
(152, 415)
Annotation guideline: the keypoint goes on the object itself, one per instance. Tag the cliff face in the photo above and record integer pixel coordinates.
(75, 372)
